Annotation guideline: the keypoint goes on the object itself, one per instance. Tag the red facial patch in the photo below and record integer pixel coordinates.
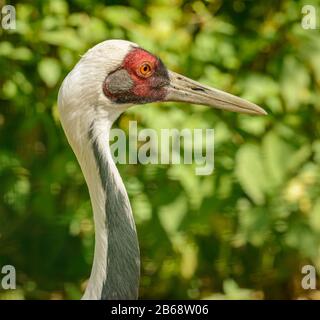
(133, 62)
(141, 78)
(136, 57)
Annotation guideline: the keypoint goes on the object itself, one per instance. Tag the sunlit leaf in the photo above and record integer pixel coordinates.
(49, 71)
(251, 173)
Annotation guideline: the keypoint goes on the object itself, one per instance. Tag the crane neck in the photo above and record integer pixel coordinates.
(116, 265)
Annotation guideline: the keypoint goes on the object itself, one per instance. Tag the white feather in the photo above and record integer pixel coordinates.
(81, 102)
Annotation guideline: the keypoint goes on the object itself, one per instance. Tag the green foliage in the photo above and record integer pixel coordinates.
(243, 232)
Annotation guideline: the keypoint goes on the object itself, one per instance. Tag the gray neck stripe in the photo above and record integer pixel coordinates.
(123, 258)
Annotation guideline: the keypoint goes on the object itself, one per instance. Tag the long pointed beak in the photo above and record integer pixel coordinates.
(183, 89)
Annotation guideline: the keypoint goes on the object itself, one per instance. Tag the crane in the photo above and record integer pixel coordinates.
(107, 80)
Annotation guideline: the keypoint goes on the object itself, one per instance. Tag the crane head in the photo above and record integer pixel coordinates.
(142, 78)
(119, 74)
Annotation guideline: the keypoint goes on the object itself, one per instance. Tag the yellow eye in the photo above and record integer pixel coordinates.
(145, 69)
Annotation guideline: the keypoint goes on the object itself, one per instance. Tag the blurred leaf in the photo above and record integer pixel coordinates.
(276, 153)
(250, 172)
(49, 71)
